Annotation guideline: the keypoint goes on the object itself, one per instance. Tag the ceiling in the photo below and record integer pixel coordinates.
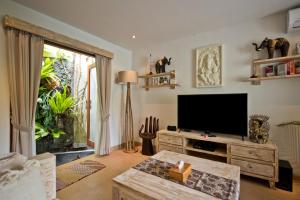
(154, 21)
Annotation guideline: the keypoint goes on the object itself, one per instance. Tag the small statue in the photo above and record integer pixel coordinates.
(149, 134)
(281, 44)
(160, 66)
(259, 128)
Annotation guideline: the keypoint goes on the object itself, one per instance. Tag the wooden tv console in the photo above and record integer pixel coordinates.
(257, 160)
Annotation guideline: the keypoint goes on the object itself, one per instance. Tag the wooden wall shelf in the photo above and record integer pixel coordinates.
(274, 77)
(256, 66)
(149, 79)
(171, 86)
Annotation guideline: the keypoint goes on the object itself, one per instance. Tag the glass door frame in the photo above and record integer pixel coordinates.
(88, 108)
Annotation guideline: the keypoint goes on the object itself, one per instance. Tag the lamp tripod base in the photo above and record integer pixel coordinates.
(129, 137)
(130, 147)
(131, 150)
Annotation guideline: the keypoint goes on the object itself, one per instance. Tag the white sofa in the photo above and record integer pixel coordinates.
(27, 179)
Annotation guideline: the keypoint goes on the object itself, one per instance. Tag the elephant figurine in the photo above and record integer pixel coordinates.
(281, 44)
(160, 66)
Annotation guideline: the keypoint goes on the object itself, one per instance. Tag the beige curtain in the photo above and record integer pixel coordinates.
(103, 70)
(25, 54)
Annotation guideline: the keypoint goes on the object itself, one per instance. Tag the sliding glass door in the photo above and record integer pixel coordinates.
(93, 122)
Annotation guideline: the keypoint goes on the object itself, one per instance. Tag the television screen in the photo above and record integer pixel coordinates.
(213, 113)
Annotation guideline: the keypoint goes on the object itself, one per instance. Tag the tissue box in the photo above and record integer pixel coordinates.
(181, 175)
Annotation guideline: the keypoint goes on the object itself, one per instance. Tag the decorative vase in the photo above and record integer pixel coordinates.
(259, 128)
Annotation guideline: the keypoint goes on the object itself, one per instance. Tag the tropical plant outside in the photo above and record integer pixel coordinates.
(60, 103)
(55, 105)
(41, 131)
(47, 72)
(61, 106)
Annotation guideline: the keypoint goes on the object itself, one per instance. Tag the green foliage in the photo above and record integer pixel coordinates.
(57, 133)
(41, 131)
(60, 103)
(47, 71)
(44, 114)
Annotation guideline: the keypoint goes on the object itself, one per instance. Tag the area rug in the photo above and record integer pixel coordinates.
(66, 176)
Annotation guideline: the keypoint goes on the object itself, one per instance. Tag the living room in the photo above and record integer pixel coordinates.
(137, 35)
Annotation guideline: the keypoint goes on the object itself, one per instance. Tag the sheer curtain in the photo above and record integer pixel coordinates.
(103, 70)
(25, 55)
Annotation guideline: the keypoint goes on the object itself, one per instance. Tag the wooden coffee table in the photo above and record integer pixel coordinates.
(137, 185)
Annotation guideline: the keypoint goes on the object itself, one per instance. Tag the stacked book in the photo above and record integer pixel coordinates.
(282, 69)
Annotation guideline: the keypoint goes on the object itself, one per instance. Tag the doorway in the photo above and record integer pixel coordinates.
(92, 106)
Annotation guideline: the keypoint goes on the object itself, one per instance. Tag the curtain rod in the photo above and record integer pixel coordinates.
(54, 37)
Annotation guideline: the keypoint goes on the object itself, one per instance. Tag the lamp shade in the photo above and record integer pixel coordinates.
(127, 77)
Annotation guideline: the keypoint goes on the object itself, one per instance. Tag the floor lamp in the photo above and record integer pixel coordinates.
(128, 77)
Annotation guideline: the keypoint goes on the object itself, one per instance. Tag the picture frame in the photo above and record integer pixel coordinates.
(209, 64)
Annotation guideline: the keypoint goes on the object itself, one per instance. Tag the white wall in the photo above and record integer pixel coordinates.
(122, 60)
(280, 99)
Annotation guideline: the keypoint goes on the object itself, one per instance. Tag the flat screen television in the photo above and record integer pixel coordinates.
(214, 113)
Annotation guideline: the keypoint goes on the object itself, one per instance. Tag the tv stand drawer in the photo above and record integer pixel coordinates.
(254, 168)
(253, 153)
(170, 139)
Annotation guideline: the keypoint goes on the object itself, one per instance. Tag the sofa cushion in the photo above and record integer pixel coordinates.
(11, 161)
(23, 182)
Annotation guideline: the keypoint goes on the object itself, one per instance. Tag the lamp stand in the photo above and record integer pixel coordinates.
(129, 145)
